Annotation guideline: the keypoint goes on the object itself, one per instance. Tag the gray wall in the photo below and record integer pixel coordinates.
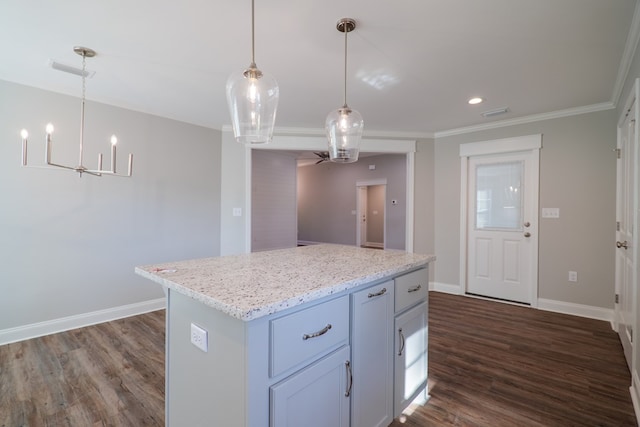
(69, 244)
(577, 175)
(327, 197)
(273, 200)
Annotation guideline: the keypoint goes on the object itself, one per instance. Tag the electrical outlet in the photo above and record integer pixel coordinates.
(573, 276)
(199, 337)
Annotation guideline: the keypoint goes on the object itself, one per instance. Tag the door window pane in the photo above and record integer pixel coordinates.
(499, 196)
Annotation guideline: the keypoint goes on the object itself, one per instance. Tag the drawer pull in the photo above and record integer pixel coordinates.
(377, 294)
(414, 289)
(347, 364)
(317, 334)
(401, 335)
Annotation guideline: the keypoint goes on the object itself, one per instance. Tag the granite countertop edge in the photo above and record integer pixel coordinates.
(163, 276)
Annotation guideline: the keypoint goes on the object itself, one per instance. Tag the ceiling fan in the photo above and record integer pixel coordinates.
(323, 155)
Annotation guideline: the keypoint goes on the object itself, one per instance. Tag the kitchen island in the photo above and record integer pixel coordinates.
(317, 335)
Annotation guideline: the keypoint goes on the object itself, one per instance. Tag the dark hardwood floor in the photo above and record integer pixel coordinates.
(490, 364)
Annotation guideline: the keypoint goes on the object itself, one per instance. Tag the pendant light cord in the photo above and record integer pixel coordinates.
(84, 89)
(345, 66)
(253, 37)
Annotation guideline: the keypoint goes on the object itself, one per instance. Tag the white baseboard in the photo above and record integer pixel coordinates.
(308, 243)
(445, 288)
(580, 310)
(588, 311)
(635, 397)
(39, 329)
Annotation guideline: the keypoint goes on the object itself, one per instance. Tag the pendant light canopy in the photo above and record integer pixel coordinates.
(344, 126)
(253, 100)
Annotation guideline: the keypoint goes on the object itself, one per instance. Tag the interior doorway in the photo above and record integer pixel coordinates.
(371, 211)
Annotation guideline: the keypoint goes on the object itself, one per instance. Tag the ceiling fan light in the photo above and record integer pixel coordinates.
(252, 97)
(344, 128)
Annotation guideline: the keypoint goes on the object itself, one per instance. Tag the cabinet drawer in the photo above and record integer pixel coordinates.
(308, 333)
(411, 289)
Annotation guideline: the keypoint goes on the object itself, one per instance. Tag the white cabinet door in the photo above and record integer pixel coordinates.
(371, 346)
(410, 356)
(317, 396)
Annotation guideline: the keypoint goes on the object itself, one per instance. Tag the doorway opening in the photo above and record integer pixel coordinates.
(371, 214)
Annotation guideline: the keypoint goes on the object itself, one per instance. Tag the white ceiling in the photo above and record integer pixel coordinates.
(413, 64)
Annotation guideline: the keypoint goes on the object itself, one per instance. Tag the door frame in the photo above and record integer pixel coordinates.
(406, 147)
(531, 143)
(633, 97)
(366, 184)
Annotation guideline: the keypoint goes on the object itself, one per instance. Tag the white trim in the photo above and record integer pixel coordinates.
(635, 396)
(48, 327)
(297, 131)
(532, 143)
(410, 206)
(627, 56)
(500, 146)
(303, 141)
(445, 288)
(528, 119)
(315, 143)
(581, 310)
(368, 182)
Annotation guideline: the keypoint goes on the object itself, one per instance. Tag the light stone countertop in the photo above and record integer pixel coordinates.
(253, 285)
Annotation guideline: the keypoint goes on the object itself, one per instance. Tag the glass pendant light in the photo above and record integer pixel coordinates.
(344, 126)
(253, 100)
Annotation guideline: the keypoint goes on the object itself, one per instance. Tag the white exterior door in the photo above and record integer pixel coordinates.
(625, 266)
(501, 224)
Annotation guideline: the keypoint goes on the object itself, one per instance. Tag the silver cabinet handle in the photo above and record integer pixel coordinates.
(317, 334)
(414, 289)
(377, 294)
(401, 335)
(347, 364)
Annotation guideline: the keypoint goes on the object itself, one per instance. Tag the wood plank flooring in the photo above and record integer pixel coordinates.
(490, 364)
(494, 364)
(111, 374)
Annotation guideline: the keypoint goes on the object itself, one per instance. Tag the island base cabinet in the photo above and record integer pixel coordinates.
(410, 356)
(317, 396)
(371, 345)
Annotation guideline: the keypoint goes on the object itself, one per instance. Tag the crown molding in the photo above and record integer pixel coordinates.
(528, 119)
(627, 56)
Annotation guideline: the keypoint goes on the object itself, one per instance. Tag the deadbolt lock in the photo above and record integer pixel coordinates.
(527, 224)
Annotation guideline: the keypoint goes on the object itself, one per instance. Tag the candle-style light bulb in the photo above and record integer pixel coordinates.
(114, 141)
(47, 148)
(24, 134)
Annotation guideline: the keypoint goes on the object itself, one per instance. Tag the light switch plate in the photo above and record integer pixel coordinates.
(550, 212)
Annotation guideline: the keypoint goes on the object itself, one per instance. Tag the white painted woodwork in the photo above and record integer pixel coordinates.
(315, 396)
(372, 338)
(410, 338)
(626, 258)
(411, 354)
(499, 242)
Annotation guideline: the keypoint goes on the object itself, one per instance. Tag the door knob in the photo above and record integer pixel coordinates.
(527, 234)
(621, 244)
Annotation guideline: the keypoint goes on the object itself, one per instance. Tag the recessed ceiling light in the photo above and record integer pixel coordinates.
(476, 100)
